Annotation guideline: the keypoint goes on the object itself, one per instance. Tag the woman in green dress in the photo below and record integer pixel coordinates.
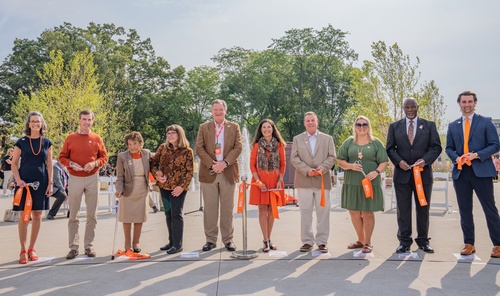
(360, 155)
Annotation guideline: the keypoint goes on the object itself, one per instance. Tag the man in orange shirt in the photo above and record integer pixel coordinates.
(83, 153)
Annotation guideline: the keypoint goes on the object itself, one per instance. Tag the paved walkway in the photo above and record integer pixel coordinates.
(285, 272)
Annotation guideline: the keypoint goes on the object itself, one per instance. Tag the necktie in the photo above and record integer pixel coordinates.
(466, 138)
(411, 134)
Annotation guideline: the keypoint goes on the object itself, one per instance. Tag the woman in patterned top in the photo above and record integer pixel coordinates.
(172, 166)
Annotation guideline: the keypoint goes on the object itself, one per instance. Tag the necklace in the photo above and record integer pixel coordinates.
(360, 153)
(39, 150)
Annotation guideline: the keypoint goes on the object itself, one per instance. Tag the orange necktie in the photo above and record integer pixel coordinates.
(466, 138)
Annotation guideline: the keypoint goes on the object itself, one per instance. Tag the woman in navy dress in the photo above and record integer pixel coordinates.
(35, 154)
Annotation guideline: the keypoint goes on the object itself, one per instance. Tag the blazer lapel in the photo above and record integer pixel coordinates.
(402, 131)
(210, 142)
(475, 121)
(305, 138)
(145, 162)
(419, 126)
(319, 142)
(130, 163)
(460, 130)
(228, 133)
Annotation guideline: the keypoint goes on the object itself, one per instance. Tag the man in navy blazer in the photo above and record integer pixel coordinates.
(421, 148)
(474, 170)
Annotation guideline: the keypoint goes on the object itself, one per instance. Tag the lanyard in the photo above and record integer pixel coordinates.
(218, 131)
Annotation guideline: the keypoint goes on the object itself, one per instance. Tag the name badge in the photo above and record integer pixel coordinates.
(218, 149)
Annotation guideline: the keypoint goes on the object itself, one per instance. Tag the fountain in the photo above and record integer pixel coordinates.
(244, 158)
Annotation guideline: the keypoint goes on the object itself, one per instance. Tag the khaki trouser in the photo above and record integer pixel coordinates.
(309, 198)
(77, 186)
(218, 196)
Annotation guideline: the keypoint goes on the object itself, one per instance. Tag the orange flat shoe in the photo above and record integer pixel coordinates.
(32, 257)
(25, 259)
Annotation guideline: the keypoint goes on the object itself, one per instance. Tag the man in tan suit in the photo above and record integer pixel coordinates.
(218, 146)
(313, 152)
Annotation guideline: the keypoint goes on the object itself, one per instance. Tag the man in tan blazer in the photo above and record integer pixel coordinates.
(313, 152)
(218, 146)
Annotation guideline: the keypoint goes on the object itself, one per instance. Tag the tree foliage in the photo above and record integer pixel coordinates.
(64, 92)
(67, 68)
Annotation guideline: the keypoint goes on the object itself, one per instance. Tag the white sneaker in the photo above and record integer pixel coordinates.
(5, 195)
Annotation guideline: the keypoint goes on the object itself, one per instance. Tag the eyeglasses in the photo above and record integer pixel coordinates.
(170, 133)
(361, 124)
(35, 121)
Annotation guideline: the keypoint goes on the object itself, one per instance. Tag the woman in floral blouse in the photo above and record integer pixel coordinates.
(172, 166)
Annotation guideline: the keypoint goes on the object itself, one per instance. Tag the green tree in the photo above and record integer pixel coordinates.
(432, 104)
(398, 76)
(317, 75)
(65, 91)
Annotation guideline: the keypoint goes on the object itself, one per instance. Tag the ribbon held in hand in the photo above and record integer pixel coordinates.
(418, 186)
(367, 187)
(463, 160)
(28, 204)
(322, 201)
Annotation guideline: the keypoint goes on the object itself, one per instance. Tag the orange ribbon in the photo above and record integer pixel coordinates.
(322, 201)
(418, 186)
(463, 160)
(28, 204)
(367, 187)
(275, 197)
(241, 194)
(131, 255)
(151, 178)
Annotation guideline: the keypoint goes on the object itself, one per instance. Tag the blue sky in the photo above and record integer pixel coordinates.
(457, 41)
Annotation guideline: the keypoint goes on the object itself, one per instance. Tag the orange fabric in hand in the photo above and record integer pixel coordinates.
(367, 187)
(322, 201)
(418, 185)
(28, 204)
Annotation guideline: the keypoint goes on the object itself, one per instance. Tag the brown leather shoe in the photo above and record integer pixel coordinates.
(72, 254)
(90, 252)
(306, 248)
(495, 253)
(467, 249)
(323, 248)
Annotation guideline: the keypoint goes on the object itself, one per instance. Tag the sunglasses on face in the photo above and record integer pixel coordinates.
(361, 124)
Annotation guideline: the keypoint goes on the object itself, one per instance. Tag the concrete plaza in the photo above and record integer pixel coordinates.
(284, 272)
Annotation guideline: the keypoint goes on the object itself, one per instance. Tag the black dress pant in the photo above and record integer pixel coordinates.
(173, 215)
(60, 197)
(405, 193)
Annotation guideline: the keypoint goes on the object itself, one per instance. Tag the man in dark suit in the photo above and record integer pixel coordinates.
(218, 146)
(412, 141)
(473, 169)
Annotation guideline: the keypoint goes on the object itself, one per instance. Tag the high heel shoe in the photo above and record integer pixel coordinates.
(265, 249)
(271, 246)
(30, 256)
(23, 260)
